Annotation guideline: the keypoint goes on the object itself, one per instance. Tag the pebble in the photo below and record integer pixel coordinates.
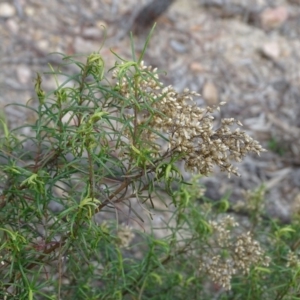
(271, 50)
(92, 33)
(272, 18)
(178, 46)
(12, 26)
(7, 10)
(43, 45)
(210, 93)
(30, 11)
(83, 46)
(24, 74)
(197, 67)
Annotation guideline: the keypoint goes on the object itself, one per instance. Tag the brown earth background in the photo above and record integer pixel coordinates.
(243, 52)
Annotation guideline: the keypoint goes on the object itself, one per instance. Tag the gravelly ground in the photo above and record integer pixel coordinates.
(226, 50)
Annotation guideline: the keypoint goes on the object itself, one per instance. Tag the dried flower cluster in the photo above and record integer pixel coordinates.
(188, 128)
(125, 236)
(253, 202)
(292, 260)
(243, 252)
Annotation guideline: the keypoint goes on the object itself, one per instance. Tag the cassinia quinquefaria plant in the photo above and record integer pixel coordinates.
(96, 145)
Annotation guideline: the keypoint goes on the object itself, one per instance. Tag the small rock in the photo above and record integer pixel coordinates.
(297, 2)
(7, 10)
(210, 93)
(178, 46)
(23, 74)
(197, 67)
(43, 45)
(272, 18)
(281, 86)
(101, 24)
(92, 33)
(271, 50)
(83, 46)
(30, 11)
(12, 26)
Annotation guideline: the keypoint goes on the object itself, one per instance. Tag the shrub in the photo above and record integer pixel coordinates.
(100, 145)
